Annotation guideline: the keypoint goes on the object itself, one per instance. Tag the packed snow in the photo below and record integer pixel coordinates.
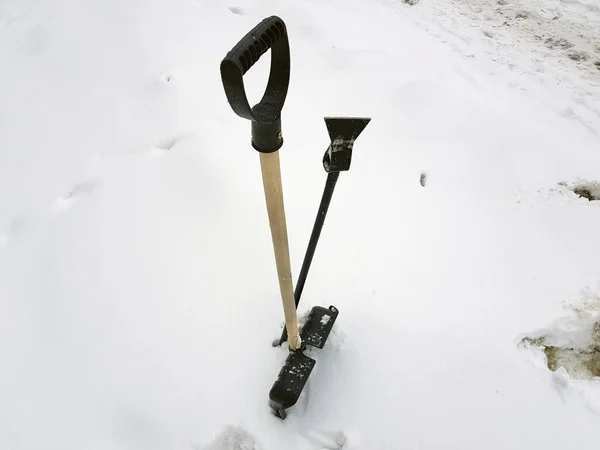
(138, 291)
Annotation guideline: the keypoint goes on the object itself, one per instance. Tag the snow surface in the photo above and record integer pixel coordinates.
(138, 293)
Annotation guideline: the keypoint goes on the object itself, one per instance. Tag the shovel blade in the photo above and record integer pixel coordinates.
(294, 374)
(291, 380)
(318, 325)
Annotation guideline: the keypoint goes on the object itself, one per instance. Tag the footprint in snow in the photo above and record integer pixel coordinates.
(327, 440)
(169, 144)
(331, 440)
(15, 227)
(237, 10)
(76, 193)
(162, 147)
(233, 438)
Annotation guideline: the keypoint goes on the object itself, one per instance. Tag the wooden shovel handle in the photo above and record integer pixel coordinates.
(271, 174)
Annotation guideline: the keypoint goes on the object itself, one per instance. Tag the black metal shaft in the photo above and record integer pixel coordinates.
(332, 178)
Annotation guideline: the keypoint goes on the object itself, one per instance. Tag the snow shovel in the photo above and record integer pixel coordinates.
(266, 136)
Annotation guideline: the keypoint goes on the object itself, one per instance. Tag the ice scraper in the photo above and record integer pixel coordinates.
(343, 131)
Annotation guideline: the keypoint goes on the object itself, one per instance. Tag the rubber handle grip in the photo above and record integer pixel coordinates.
(271, 33)
(255, 44)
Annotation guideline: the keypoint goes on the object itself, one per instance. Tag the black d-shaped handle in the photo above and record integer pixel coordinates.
(266, 115)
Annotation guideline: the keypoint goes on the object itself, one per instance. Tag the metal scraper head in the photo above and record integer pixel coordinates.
(343, 131)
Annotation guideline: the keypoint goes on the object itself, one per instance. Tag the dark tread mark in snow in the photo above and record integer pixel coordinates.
(423, 179)
(556, 42)
(578, 56)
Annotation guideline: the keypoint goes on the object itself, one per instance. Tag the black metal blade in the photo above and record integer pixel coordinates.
(347, 128)
(294, 374)
(343, 131)
(291, 380)
(318, 326)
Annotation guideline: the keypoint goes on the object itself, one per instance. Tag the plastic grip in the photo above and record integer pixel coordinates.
(271, 34)
(255, 44)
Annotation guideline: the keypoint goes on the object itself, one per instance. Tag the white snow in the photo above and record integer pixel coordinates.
(138, 292)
